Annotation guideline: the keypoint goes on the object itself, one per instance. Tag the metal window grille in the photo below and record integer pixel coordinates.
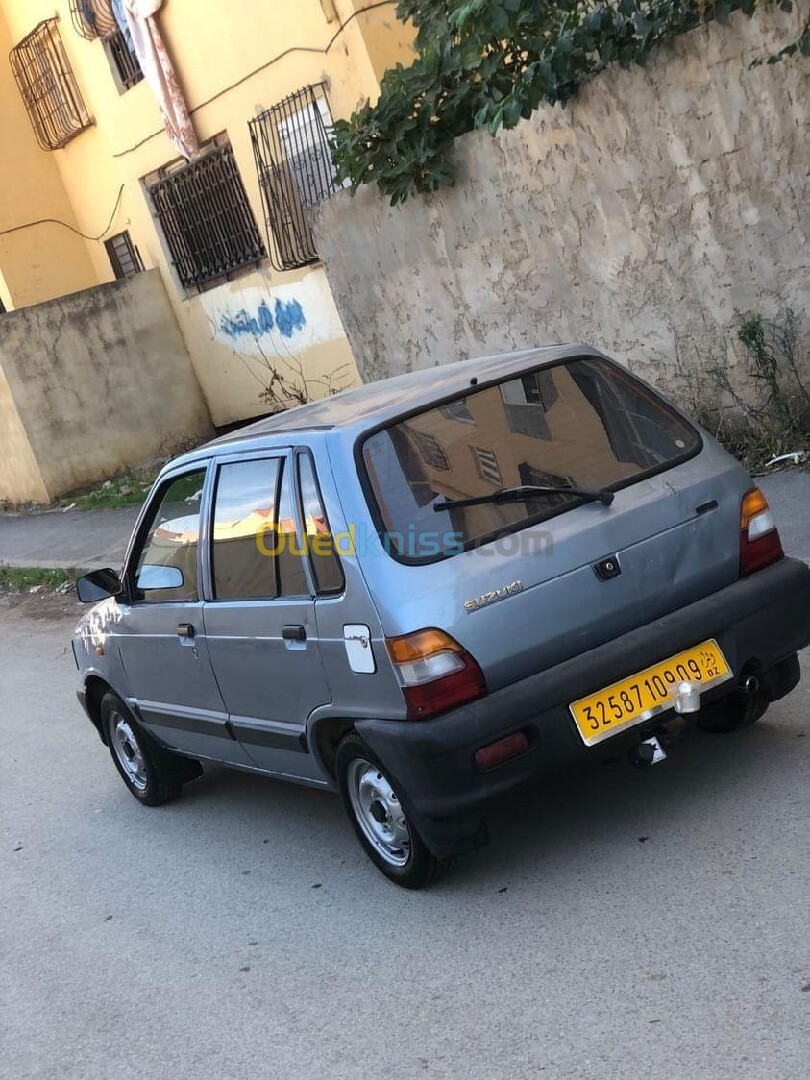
(294, 163)
(488, 467)
(430, 448)
(125, 63)
(93, 18)
(206, 218)
(48, 86)
(123, 256)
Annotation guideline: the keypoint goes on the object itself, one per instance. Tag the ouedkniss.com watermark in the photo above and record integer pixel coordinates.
(273, 540)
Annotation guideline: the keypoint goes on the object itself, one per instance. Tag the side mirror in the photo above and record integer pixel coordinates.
(159, 577)
(98, 585)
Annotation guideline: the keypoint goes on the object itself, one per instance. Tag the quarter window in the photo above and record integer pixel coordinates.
(320, 541)
(167, 566)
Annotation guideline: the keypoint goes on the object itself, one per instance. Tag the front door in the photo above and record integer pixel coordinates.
(161, 633)
(260, 623)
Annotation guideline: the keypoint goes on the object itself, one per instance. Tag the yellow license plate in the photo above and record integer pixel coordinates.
(641, 696)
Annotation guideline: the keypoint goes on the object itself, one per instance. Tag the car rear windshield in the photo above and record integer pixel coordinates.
(583, 423)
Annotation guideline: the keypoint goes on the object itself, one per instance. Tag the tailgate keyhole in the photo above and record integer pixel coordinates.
(607, 568)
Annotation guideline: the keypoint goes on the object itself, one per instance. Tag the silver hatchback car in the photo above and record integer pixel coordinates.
(433, 589)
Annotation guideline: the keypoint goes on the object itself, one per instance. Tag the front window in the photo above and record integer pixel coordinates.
(166, 569)
(583, 423)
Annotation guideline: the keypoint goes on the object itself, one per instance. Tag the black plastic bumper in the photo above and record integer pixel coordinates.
(757, 621)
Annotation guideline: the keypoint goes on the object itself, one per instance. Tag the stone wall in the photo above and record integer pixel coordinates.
(92, 384)
(638, 218)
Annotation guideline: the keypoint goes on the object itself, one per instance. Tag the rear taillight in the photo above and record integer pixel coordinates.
(435, 672)
(759, 538)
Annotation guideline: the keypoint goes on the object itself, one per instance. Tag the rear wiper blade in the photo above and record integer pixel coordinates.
(528, 491)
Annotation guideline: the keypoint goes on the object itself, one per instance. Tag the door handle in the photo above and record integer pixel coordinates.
(185, 630)
(293, 633)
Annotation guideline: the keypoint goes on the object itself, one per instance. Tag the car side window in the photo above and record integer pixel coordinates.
(320, 544)
(256, 544)
(166, 568)
(244, 537)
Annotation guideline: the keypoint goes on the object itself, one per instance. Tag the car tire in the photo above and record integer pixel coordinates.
(375, 810)
(732, 713)
(152, 775)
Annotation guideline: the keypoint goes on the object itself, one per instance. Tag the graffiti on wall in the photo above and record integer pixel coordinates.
(259, 320)
(287, 317)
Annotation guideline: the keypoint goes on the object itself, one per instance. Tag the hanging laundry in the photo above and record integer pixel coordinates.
(120, 14)
(159, 73)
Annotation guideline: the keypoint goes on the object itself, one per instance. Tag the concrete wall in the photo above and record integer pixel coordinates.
(637, 219)
(20, 478)
(92, 384)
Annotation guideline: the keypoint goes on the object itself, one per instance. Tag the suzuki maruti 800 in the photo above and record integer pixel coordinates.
(430, 590)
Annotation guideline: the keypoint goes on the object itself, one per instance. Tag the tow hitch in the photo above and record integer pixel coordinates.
(648, 752)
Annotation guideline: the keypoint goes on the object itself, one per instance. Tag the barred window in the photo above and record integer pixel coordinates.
(206, 218)
(96, 19)
(123, 255)
(93, 18)
(125, 66)
(294, 162)
(48, 86)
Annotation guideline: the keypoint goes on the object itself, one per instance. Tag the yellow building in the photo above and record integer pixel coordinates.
(227, 233)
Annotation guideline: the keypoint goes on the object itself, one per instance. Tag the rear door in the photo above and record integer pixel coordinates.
(260, 621)
(526, 584)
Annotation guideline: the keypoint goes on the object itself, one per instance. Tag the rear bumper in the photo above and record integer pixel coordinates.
(758, 620)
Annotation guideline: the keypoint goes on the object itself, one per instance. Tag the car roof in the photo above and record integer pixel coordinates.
(373, 404)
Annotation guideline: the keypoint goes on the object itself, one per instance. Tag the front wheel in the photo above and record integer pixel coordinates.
(380, 821)
(149, 773)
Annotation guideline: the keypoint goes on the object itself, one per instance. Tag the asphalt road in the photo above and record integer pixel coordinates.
(621, 924)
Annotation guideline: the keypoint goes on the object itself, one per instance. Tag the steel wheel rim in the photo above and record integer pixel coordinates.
(128, 752)
(378, 812)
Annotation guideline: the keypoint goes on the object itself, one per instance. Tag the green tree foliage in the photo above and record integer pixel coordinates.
(491, 63)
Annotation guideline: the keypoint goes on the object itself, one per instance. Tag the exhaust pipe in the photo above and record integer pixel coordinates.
(751, 685)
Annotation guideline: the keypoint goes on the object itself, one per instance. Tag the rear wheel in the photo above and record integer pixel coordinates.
(379, 818)
(733, 712)
(152, 775)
